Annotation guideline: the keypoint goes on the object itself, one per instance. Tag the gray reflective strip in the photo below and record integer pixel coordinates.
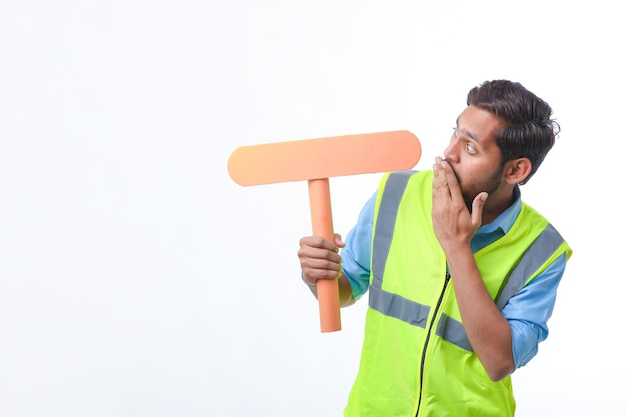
(387, 303)
(386, 222)
(393, 305)
(453, 331)
(536, 255)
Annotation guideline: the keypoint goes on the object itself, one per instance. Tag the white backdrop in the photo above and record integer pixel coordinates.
(137, 279)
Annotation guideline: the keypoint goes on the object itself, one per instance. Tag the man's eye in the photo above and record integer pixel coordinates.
(470, 148)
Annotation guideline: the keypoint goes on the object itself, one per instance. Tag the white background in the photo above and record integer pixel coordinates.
(137, 279)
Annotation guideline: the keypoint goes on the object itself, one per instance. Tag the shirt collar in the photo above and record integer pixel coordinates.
(505, 220)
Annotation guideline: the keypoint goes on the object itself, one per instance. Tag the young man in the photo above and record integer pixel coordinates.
(462, 275)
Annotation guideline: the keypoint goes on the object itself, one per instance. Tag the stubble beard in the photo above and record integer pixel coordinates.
(490, 185)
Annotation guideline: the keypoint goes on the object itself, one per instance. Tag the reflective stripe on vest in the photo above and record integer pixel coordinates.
(416, 314)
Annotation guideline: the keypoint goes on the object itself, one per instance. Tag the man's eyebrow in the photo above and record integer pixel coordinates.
(466, 132)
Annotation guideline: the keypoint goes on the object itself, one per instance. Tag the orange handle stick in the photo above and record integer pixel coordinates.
(322, 220)
(315, 161)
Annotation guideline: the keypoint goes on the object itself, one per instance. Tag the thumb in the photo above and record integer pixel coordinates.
(477, 208)
(338, 241)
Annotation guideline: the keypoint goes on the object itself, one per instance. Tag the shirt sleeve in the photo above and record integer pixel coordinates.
(356, 254)
(528, 312)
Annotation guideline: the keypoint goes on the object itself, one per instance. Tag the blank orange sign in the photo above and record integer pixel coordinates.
(315, 161)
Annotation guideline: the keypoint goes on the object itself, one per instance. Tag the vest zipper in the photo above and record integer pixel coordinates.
(430, 328)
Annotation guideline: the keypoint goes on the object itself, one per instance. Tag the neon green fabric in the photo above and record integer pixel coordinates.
(409, 369)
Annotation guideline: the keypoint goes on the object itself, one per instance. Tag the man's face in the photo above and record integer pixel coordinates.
(473, 153)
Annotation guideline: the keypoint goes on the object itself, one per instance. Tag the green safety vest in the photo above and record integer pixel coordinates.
(416, 358)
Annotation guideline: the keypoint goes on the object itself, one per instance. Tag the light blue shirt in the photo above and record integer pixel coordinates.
(527, 312)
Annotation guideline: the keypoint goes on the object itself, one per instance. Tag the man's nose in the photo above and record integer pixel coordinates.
(452, 150)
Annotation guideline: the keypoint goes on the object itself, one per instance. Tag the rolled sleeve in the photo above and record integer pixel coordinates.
(528, 312)
(356, 254)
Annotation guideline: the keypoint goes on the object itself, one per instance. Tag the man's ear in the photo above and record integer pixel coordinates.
(517, 170)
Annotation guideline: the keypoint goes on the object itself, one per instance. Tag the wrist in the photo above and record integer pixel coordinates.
(457, 249)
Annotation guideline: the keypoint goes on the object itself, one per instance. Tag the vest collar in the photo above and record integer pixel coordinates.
(505, 220)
